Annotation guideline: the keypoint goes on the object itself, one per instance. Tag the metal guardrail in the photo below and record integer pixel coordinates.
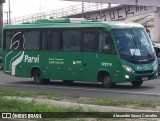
(72, 10)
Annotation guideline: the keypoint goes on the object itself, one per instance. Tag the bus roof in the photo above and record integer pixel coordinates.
(73, 23)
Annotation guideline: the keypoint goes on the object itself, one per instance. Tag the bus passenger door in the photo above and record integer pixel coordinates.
(98, 54)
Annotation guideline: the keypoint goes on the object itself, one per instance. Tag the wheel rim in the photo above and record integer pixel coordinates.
(37, 76)
(106, 81)
(158, 55)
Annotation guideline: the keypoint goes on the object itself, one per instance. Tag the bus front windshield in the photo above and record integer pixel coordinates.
(134, 45)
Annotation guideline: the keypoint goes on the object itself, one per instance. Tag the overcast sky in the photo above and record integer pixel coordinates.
(24, 7)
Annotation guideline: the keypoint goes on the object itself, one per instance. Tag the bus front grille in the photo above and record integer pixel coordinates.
(144, 72)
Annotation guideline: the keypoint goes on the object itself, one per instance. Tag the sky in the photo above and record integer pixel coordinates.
(25, 7)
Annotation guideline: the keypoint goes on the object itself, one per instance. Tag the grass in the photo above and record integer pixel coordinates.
(26, 93)
(122, 103)
(21, 107)
(102, 102)
(13, 105)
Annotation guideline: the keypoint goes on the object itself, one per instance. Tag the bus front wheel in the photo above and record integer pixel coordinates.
(106, 82)
(37, 75)
(137, 83)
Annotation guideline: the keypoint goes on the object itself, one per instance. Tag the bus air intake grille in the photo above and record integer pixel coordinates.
(144, 72)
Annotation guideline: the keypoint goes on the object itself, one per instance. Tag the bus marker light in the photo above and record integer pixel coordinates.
(69, 69)
(156, 74)
(117, 71)
(126, 76)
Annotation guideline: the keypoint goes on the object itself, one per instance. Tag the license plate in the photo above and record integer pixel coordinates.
(144, 78)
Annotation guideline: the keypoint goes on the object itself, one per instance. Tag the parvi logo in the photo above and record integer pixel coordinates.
(29, 59)
(143, 68)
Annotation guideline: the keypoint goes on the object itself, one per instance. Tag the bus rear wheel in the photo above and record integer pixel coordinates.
(137, 83)
(106, 82)
(37, 75)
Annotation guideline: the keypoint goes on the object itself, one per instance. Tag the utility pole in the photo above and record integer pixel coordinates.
(82, 7)
(9, 11)
(1, 19)
(40, 6)
(7, 16)
(109, 5)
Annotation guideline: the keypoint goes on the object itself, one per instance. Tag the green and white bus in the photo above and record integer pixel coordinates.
(88, 51)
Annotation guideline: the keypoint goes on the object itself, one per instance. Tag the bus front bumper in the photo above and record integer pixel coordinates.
(130, 77)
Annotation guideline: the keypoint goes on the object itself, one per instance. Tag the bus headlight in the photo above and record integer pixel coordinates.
(155, 67)
(127, 68)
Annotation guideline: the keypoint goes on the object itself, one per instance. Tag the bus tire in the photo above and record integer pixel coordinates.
(46, 81)
(68, 81)
(158, 53)
(106, 82)
(137, 83)
(37, 75)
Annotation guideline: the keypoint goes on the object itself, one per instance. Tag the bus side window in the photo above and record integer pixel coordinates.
(89, 42)
(50, 40)
(71, 40)
(32, 40)
(104, 41)
(8, 40)
(14, 40)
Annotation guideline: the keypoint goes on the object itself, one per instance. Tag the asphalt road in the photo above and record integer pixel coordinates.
(149, 91)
